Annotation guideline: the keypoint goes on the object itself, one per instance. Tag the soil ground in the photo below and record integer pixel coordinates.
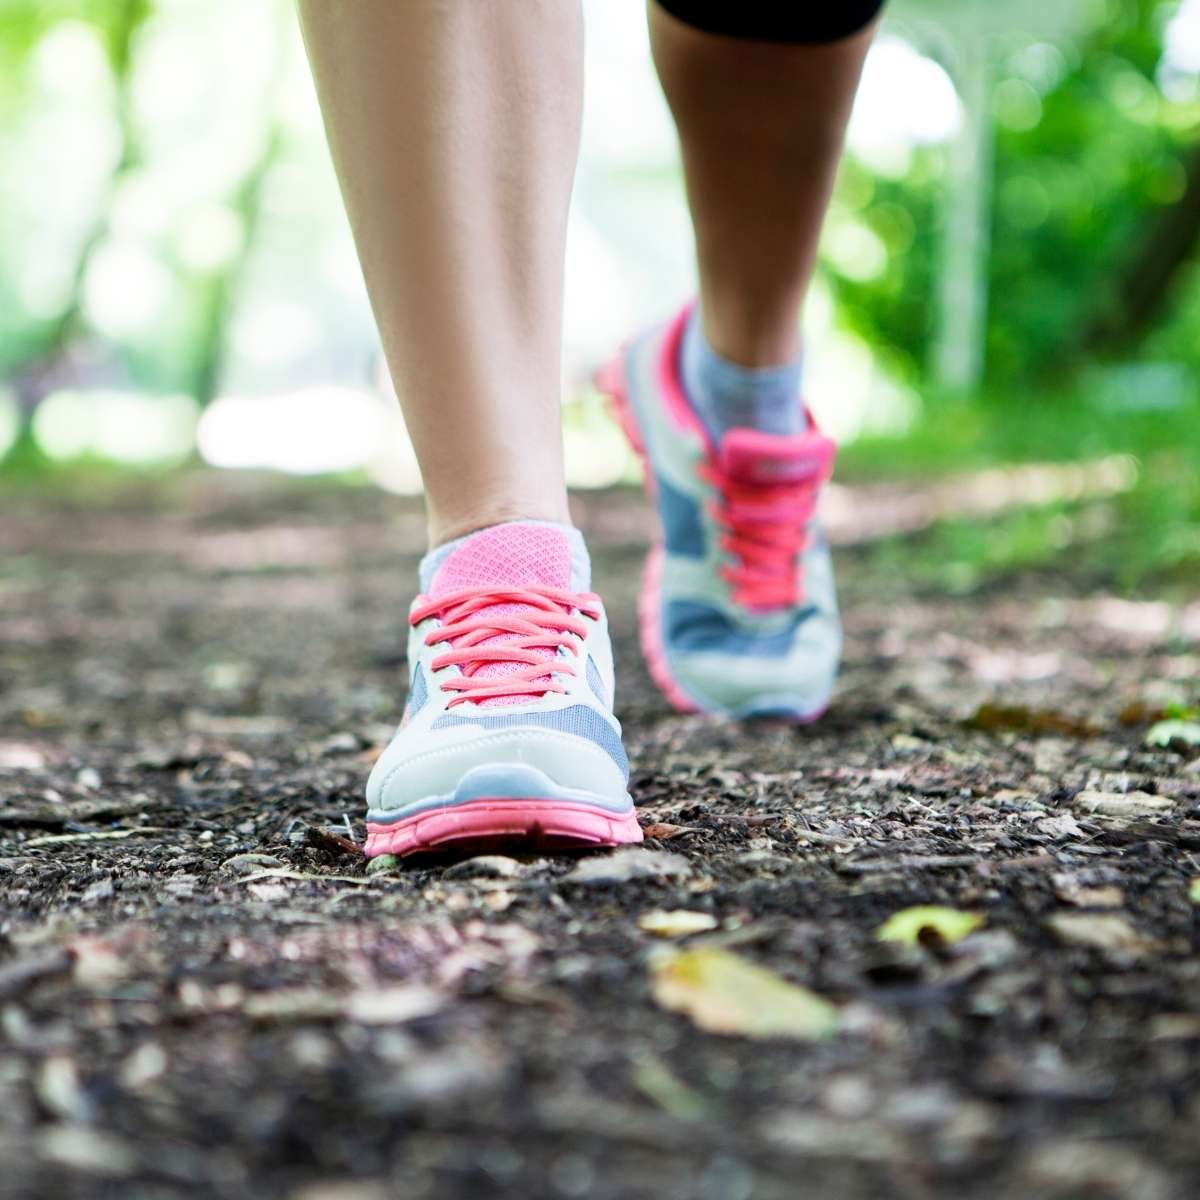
(203, 992)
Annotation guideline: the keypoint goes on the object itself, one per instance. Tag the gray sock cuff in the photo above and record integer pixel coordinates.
(725, 394)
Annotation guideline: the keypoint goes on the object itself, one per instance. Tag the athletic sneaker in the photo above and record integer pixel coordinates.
(508, 734)
(738, 610)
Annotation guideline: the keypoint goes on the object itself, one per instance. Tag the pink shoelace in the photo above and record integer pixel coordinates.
(764, 528)
(524, 626)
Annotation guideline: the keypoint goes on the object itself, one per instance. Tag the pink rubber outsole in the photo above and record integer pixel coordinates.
(486, 824)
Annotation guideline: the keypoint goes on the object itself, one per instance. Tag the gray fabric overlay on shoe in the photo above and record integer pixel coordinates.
(690, 625)
(683, 525)
(418, 693)
(597, 684)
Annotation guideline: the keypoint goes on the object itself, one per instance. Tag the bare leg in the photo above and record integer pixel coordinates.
(761, 128)
(454, 128)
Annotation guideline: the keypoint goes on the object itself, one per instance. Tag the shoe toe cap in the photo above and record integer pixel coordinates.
(795, 678)
(548, 760)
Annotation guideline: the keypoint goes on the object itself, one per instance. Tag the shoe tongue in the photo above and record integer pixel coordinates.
(516, 554)
(750, 456)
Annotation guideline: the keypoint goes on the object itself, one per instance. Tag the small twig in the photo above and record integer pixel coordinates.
(59, 839)
(284, 873)
(743, 935)
(933, 862)
(808, 834)
(333, 842)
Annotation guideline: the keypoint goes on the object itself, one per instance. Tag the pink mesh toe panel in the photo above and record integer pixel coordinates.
(514, 554)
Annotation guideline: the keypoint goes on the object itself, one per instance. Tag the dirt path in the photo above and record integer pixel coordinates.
(202, 991)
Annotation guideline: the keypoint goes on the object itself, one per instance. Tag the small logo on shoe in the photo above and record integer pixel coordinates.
(778, 470)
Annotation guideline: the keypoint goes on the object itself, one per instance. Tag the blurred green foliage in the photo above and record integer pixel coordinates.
(137, 138)
(1093, 342)
(1147, 531)
(1093, 141)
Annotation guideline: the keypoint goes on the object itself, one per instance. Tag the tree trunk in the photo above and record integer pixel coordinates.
(120, 51)
(222, 295)
(30, 378)
(1145, 284)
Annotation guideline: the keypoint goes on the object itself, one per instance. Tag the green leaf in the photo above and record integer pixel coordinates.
(651, 1076)
(927, 923)
(1163, 733)
(1194, 891)
(383, 864)
(723, 993)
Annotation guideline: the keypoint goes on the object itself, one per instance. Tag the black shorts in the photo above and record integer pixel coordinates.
(776, 20)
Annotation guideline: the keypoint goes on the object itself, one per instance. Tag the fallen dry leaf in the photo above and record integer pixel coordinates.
(927, 924)
(1070, 891)
(663, 831)
(1123, 804)
(1016, 718)
(250, 864)
(21, 756)
(1101, 931)
(723, 993)
(1061, 825)
(1169, 1026)
(292, 1004)
(393, 1005)
(87, 1151)
(1139, 713)
(628, 864)
(488, 866)
(677, 922)
(98, 961)
(269, 893)
(1011, 797)
(370, 1006)
(1087, 1167)
(146, 1064)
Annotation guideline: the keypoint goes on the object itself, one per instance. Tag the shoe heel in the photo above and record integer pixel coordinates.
(610, 383)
